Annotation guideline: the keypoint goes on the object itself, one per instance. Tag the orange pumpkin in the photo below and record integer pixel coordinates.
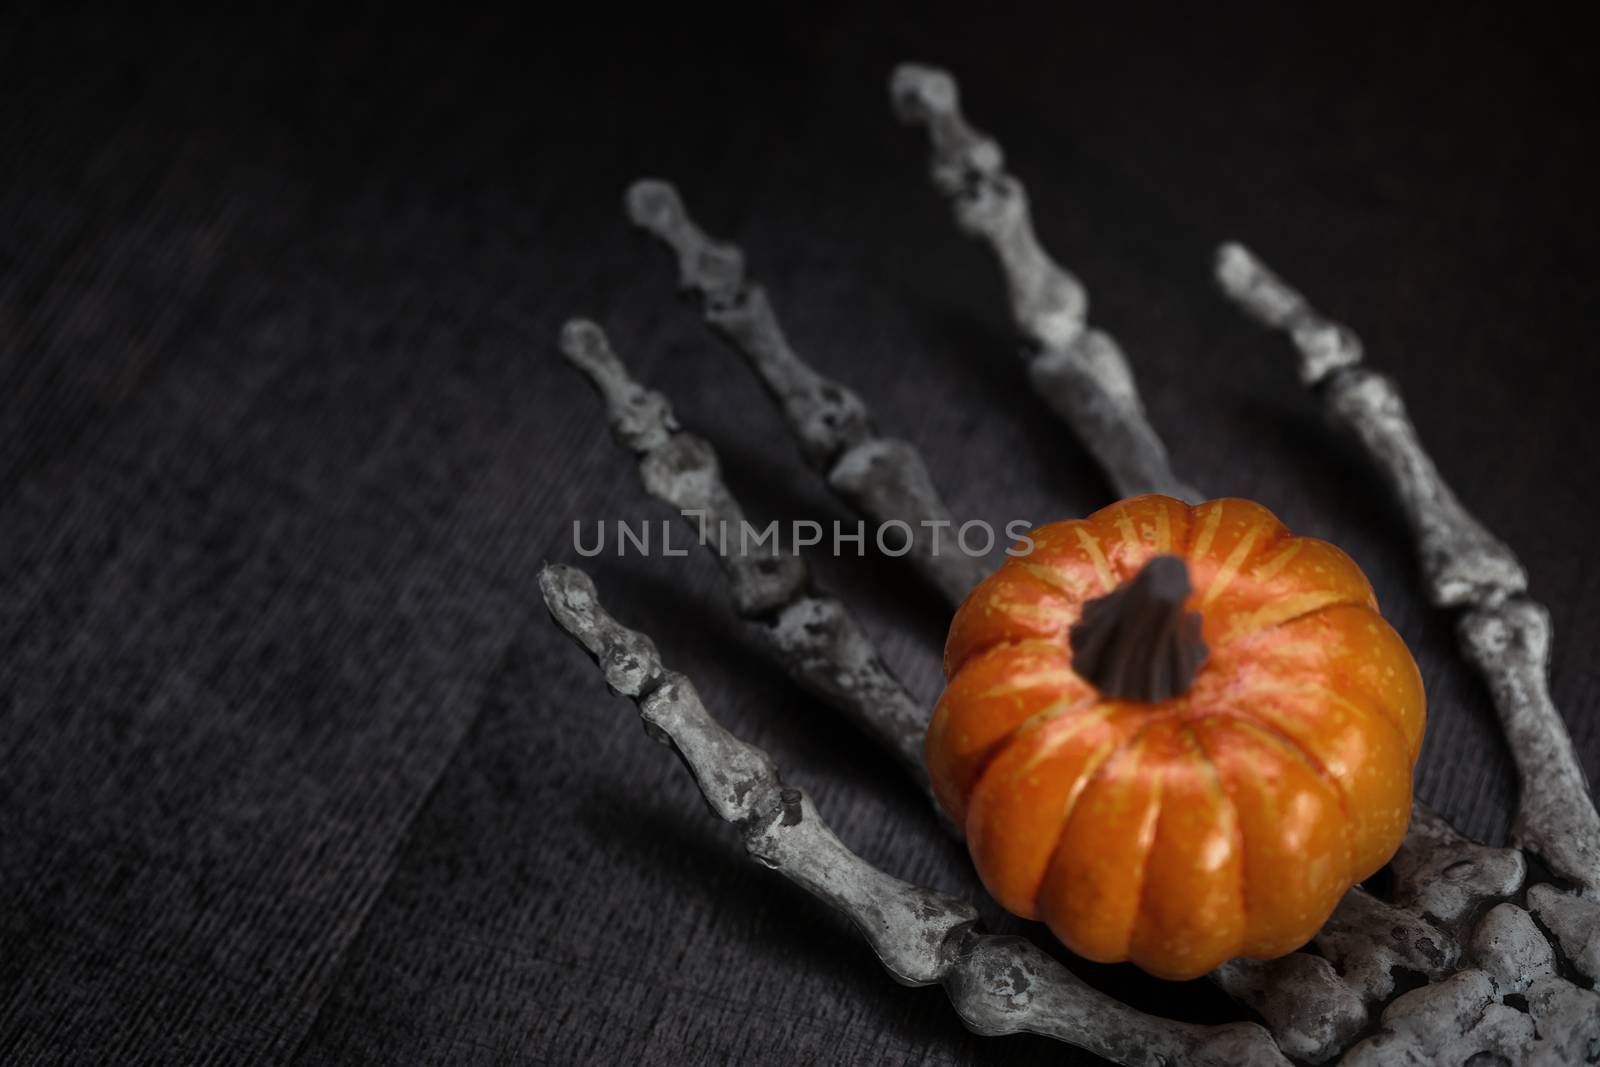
(1147, 805)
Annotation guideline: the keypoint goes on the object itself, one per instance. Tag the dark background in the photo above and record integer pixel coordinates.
(293, 766)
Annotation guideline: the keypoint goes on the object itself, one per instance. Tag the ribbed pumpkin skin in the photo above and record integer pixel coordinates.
(1226, 822)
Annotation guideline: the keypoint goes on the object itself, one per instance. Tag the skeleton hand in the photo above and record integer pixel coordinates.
(1457, 916)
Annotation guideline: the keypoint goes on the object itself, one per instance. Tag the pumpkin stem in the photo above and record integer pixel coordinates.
(1137, 642)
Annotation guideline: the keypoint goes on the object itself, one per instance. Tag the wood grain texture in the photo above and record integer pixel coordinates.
(292, 767)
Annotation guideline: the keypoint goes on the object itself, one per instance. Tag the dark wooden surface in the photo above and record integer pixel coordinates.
(293, 766)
